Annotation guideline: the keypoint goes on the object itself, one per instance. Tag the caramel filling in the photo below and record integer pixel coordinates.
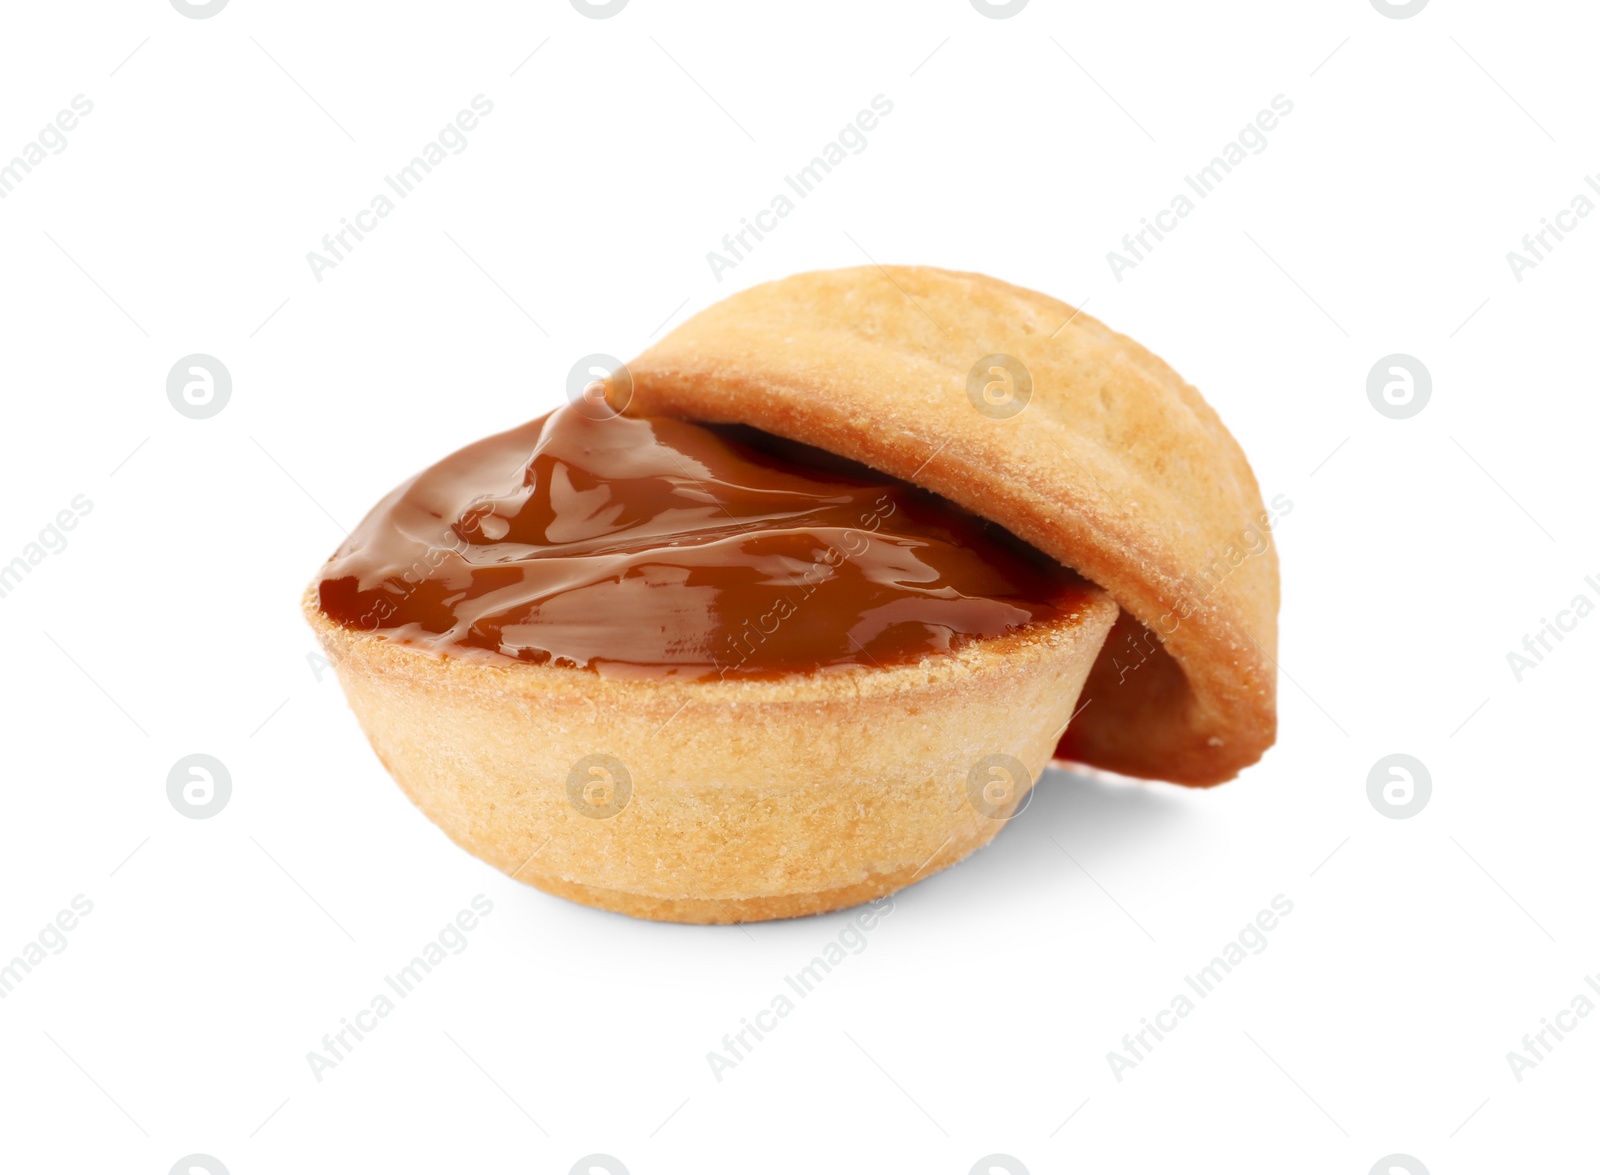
(649, 547)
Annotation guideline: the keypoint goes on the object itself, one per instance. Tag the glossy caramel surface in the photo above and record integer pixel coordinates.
(659, 548)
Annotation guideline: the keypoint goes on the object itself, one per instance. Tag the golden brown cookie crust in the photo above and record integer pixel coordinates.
(749, 799)
(1116, 467)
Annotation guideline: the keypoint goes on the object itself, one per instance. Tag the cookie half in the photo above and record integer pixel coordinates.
(1030, 413)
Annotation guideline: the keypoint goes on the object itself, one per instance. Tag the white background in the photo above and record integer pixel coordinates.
(978, 1018)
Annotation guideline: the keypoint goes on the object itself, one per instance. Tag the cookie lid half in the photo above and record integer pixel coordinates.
(1024, 410)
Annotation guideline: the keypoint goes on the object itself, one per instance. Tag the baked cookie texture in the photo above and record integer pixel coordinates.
(720, 801)
(1115, 466)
